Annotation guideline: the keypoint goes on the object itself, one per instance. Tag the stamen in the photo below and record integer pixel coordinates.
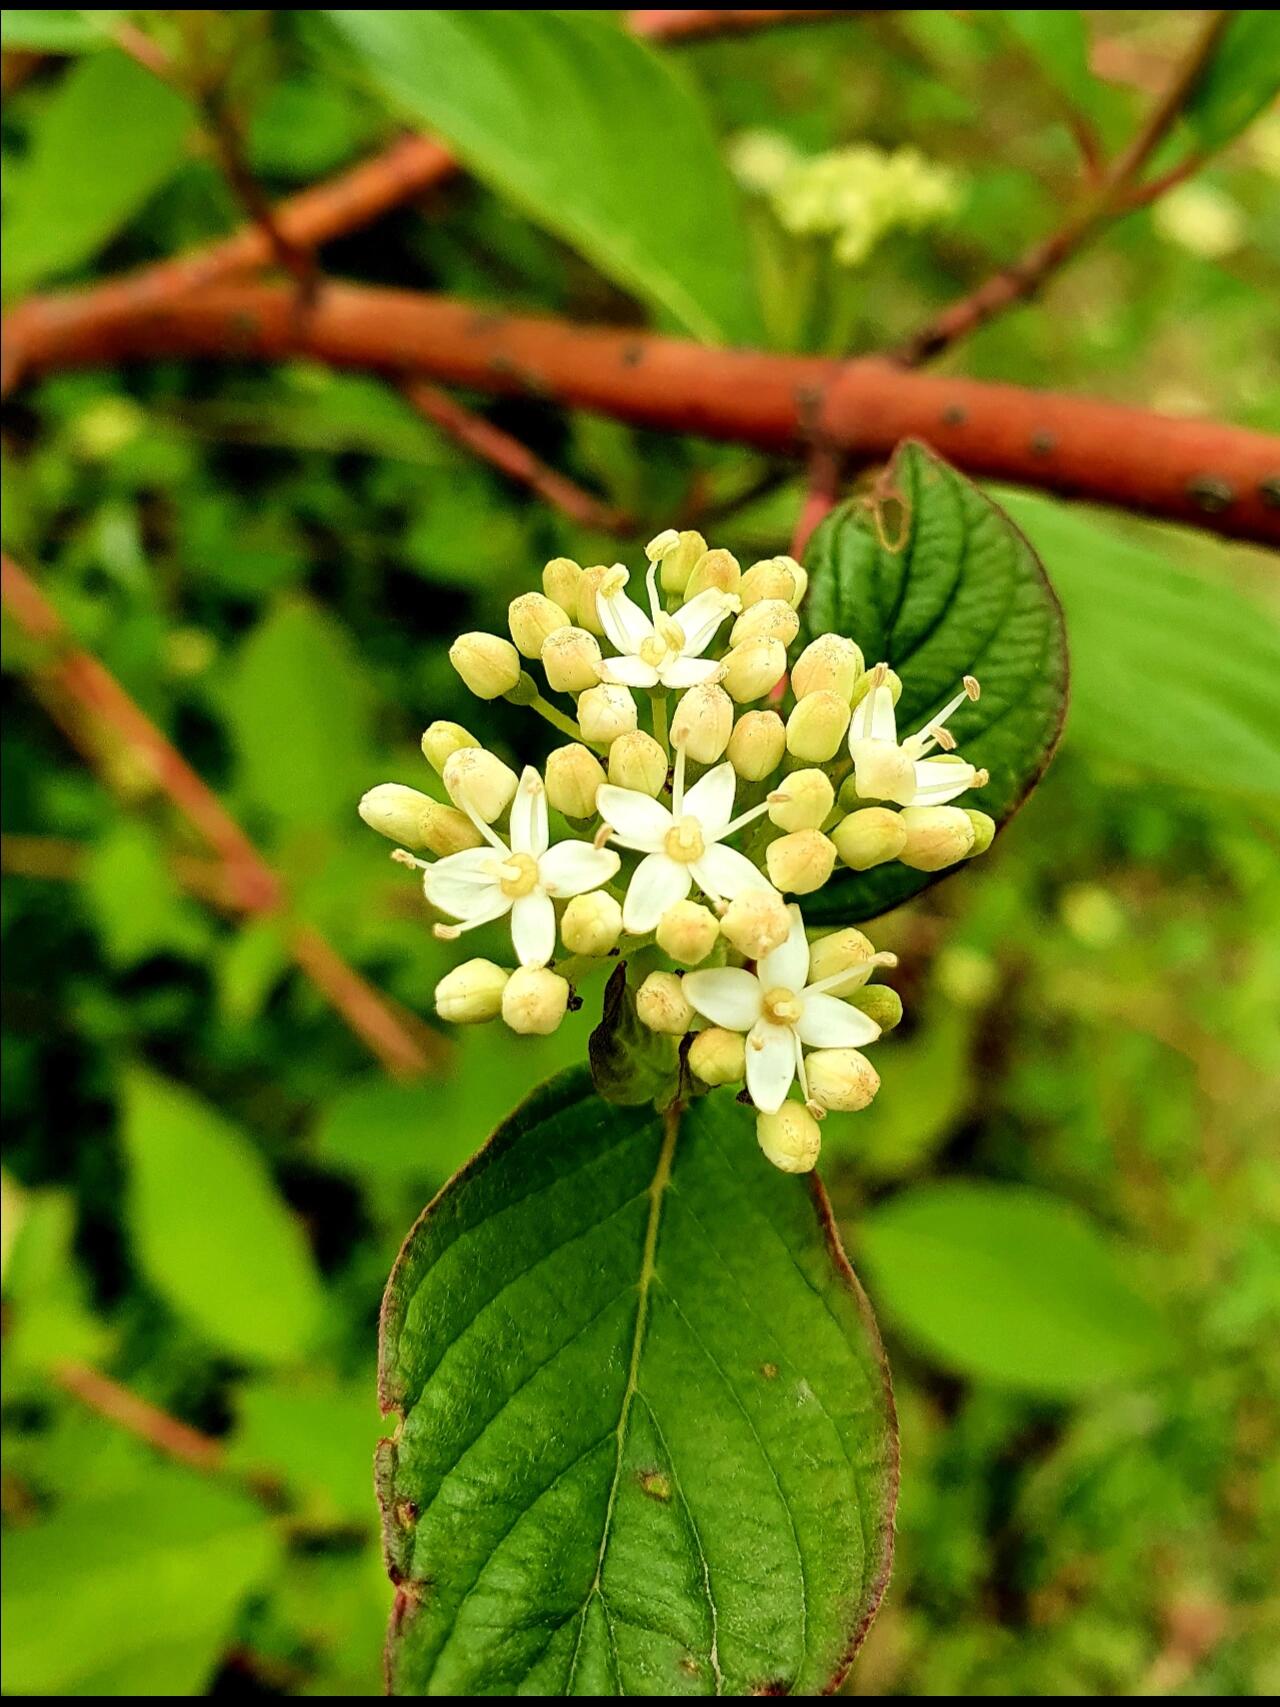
(485, 830)
(602, 835)
(800, 1072)
(980, 779)
(816, 1110)
(878, 674)
(447, 933)
(971, 687)
(677, 785)
(651, 581)
(748, 817)
(945, 739)
(401, 856)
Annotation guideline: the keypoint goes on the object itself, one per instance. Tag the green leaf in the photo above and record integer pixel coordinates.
(210, 1231)
(34, 31)
(1010, 1285)
(588, 131)
(965, 594)
(630, 1064)
(1240, 81)
(109, 137)
(137, 905)
(1058, 42)
(647, 1443)
(1173, 672)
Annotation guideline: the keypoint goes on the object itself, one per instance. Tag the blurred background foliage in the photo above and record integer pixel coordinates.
(1064, 1202)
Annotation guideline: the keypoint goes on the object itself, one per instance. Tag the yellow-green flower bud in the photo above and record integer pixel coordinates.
(573, 778)
(891, 680)
(678, 563)
(937, 836)
(489, 665)
(471, 993)
(869, 836)
(771, 579)
(703, 723)
(560, 582)
(571, 659)
(442, 739)
(756, 922)
(984, 830)
(801, 577)
(790, 1138)
(661, 544)
(841, 1079)
(829, 664)
(880, 1003)
(605, 712)
(757, 744)
(718, 1057)
(397, 812)
(535, 1000)
(753, 668)
(598, 578)
(714, 569)
(770, 619)
(591, 924)
(801, 862)
(477, 778)
(638, 762)
(532, 619)
(662, 1005)
(688, 932)
(446, 831)
(816, 727)
(846, 951)
(802, 801)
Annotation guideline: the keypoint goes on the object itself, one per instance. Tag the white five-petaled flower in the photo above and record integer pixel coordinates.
(883, 769)
(660, 650)
(482, 884)
(683, 844)
(780, 1011)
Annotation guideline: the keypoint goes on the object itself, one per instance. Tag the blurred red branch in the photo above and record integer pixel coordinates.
(677, 26)
(69, 675)
(137, 1416)
(1221, 477)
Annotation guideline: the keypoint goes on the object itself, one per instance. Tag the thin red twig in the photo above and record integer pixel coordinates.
(137, 1416)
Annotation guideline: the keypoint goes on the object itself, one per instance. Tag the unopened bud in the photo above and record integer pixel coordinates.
(489, 665)
(663, 1006)
(535, 1000)
(397, 812)
(678, 563)
(937, 836)
(984, 830)
(714, 569)
(589, 587)
(571, 659)
(869, 836)
(442, 739)
(661, 544)
(478, 779)
(802, 801)
(817, 726)
(718, 1057)
(591, 924)
(841, 1079)
(573, 777)
(791, 1138)
(845, 951)
(771, 579)
(605, 712)
(688, 932)
(757, 744)
(703, 723)
(754, 668)
(801, 862)
(756, 922)
(471, 993)
(560, 582)
(446, 831)
(638, 762)
(801, 577)
(532, 619)
(880, 1003)
(829, 664)
(889, 679)
(770, 619)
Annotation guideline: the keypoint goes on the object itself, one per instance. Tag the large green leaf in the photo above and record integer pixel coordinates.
(964, 593)
(646, 1441)
(591, 133)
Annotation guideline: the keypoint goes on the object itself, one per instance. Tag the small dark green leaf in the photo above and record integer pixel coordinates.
(1241, 80)
(646, 1441)
(965, 595)
(630, 1064)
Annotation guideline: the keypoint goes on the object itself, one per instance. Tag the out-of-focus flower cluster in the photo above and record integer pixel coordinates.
(709, 783)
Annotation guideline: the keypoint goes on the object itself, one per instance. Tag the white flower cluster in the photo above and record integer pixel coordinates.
(687, 839)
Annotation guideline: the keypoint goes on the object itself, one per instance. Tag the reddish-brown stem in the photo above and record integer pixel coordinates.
(1220, 477)
(138, 1417)
(675, 26)
(74, 679)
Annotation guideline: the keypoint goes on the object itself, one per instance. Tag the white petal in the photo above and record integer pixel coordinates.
(624, 622)
(771, 1064)
(710, 800)
(533, 928)
(788, 965)
(465, 884)
(699, 619)
(882, 771)
(726, 995)
(725, 872)
(940, 780)
(628, 672)
(874, 718)
(656, 884)
(827, 1023)
(686, 672)
(529, 815)
(571, 868)
(638, 821)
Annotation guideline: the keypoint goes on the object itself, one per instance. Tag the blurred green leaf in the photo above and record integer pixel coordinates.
(591, 133)
(249, 968)
(212, 1234)
(1241, 80)
(647, 1444)
(107, 140)
(135, 899)
(317, 1437)
(55, 32)
(1008, 1284)
(47, 1314)
(1058, 42)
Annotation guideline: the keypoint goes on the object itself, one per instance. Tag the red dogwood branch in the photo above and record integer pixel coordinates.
(1220, 477)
